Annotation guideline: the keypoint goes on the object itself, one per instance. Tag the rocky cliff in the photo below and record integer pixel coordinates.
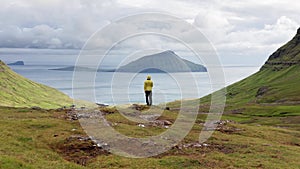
(285, 56)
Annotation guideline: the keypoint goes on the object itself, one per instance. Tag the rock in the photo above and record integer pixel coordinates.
(83, 115)
(197, 145)
(261, 91)
(60, 109)
(265, 144)
(36, 108)
(139, 107)
(102, 105)
(78, 137)
(71, 115)
(141, 125)
(166, 122)
(286, 56)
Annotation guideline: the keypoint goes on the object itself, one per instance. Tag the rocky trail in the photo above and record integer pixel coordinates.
(81, 148)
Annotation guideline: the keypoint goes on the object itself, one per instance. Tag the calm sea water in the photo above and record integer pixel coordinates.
(123, 88)
(115, 88)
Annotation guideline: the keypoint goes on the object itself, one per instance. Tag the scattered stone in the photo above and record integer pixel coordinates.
(205, 145)
(83, 115)
(71, 115)
(165, 138)
(36, 108)
(261, 91)
(166, 122)
(102, 105)
(60, 109)
(141, 125)
(160, 123)
(265, 144)
(139, 107)
(108, 110)
(223, 127)
(197, 145)
(237, 111)
(193, 145)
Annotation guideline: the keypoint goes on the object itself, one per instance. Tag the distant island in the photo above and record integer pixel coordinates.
(20, 63)
(164, 62)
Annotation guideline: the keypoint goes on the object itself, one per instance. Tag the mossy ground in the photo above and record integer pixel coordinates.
(38, 138)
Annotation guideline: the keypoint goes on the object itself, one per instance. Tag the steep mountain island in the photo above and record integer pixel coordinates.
(166, 61)
(17, 91)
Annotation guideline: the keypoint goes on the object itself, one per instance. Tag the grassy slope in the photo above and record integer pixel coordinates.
(17, 91)
(281, 87)
(271, 92)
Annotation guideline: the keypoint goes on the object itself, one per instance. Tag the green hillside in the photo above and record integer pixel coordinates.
(267, 86)
(277, 82)
(17, 91)
(271, 92)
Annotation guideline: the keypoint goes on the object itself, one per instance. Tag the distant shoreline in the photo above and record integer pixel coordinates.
(87, 69)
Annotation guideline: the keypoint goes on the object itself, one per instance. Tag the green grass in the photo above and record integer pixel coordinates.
(17, 91)
(27, 141)
(281, 88)
(26, 136)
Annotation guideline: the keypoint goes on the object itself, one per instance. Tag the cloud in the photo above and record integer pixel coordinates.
(235, 28)
(54, 24)
(213, 24)
(270, 37)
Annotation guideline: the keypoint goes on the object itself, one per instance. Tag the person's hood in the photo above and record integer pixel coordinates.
(148, 77)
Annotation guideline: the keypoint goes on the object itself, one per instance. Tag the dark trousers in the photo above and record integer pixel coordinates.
(148, 95)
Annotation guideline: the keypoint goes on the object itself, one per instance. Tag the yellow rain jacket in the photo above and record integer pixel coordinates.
(148, 84)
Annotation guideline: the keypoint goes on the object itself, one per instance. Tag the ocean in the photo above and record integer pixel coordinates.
(120, 88)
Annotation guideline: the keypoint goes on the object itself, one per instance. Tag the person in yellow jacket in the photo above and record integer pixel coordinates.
(148, 84)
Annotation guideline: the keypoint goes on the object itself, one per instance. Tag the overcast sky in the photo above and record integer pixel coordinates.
(247, 29)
